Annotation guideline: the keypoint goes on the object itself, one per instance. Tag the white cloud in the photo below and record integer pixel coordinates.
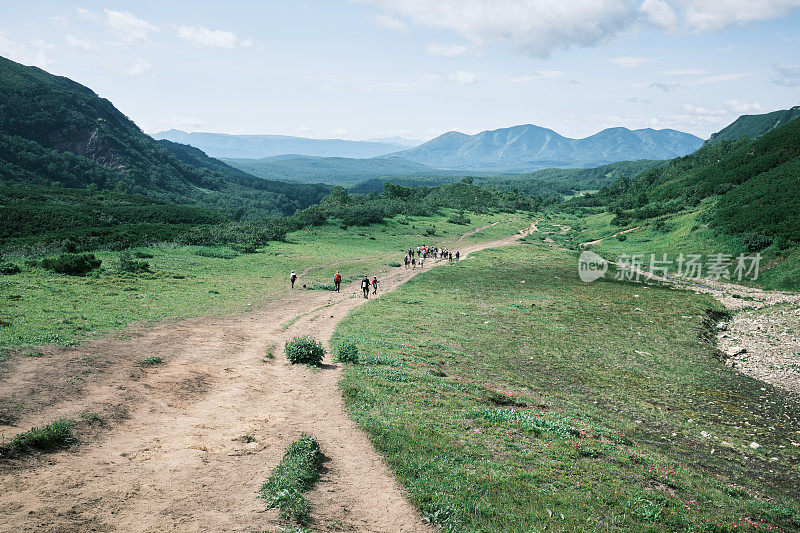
(536, 27)
(33, 53)
(785, 76)
(660, 14)
(686, 72)
(718, 78)
(706, 16)
(461, 77)
(129, 28)
(447, 50)
(202, 36)
(538, 75)
(388, 22)
(139, 67)
(540, 27)
(81, 44)
(743, 107)
(666, 87)
(88, 14)
(630, 62)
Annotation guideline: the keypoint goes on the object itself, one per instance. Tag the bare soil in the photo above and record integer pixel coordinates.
(169, 453)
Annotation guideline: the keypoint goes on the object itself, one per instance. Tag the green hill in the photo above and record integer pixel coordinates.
(332, 170)
(65, 117)
(753, 126)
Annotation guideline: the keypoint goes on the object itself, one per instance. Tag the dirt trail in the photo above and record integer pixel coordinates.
(598, 241)
(172, 459)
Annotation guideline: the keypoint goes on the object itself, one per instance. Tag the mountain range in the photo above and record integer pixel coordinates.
(529, 147)
(259, 146)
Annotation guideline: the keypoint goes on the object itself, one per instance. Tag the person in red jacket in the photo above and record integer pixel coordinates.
(337, 280)
(374, 284)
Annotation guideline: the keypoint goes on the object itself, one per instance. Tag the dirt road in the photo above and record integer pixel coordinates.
(171, 455)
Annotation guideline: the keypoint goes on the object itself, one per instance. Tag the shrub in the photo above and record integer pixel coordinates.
(304, 350)
(430, 231)
(755, 242)
(153, 360)
(72, 264)
(7, 269)
(295, 474)
(395, 265)
(49, 437)
(346, 352)
(460, 219)
(143, 255)
(128, 264)
(621, 237)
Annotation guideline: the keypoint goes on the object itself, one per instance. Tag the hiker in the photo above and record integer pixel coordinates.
(337, 281)
(374, 284)
(365, 286)
(450, 256)
(406, 261)
(413, 263)
(422, 261)
(292, 278)
(458, 254)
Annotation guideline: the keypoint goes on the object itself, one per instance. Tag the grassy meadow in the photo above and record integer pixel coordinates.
(507, 395)
(41, 307)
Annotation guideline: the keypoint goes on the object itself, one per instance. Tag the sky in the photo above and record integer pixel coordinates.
(366, 69)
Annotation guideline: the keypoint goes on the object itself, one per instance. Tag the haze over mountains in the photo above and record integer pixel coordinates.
(516, 149)
(258, 146)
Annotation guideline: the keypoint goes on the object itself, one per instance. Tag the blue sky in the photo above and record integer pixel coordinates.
(419, 68)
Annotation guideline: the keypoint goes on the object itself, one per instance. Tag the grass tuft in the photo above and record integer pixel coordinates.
(293, 476)
(57, 434)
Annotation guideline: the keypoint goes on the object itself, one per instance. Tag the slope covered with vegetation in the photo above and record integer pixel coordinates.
(62, 116)
(752, 126)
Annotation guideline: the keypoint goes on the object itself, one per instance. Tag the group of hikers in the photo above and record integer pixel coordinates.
(337, 283)
(414, 256)
(417, 256)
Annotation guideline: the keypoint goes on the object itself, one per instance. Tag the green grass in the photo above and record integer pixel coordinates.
(55, 435)
(38, 307)
(294, 475)
(152, 360)
(556, 404)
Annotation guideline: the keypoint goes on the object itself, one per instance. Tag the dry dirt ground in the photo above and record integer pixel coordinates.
(168, 453)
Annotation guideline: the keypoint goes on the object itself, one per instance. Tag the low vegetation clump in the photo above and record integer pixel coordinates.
(293, 476)
(71, 264)
(304, 350)
(460, 218)
(57, 434)
(7, 269)
(153, 360)
(346, 352)
(132, 266)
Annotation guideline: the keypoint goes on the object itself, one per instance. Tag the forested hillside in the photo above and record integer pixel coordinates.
(751, 188)
(43, 117)
(754, 125)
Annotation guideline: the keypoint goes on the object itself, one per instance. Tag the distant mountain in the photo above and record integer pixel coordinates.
(528, 147)
(331, 170)
(259, 146)
(56, 130)
(753, 126)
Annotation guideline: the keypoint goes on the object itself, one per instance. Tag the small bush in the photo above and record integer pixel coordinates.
(7, 269)
(395, 265)
(346, 352)
(72, 264)
(295, 474)
(142, 255)
(621, 237)
(128, 264)
(460, 219)
(50, 437)
(154, 360)
(217, 253)
(304, 350)
(430, 231)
